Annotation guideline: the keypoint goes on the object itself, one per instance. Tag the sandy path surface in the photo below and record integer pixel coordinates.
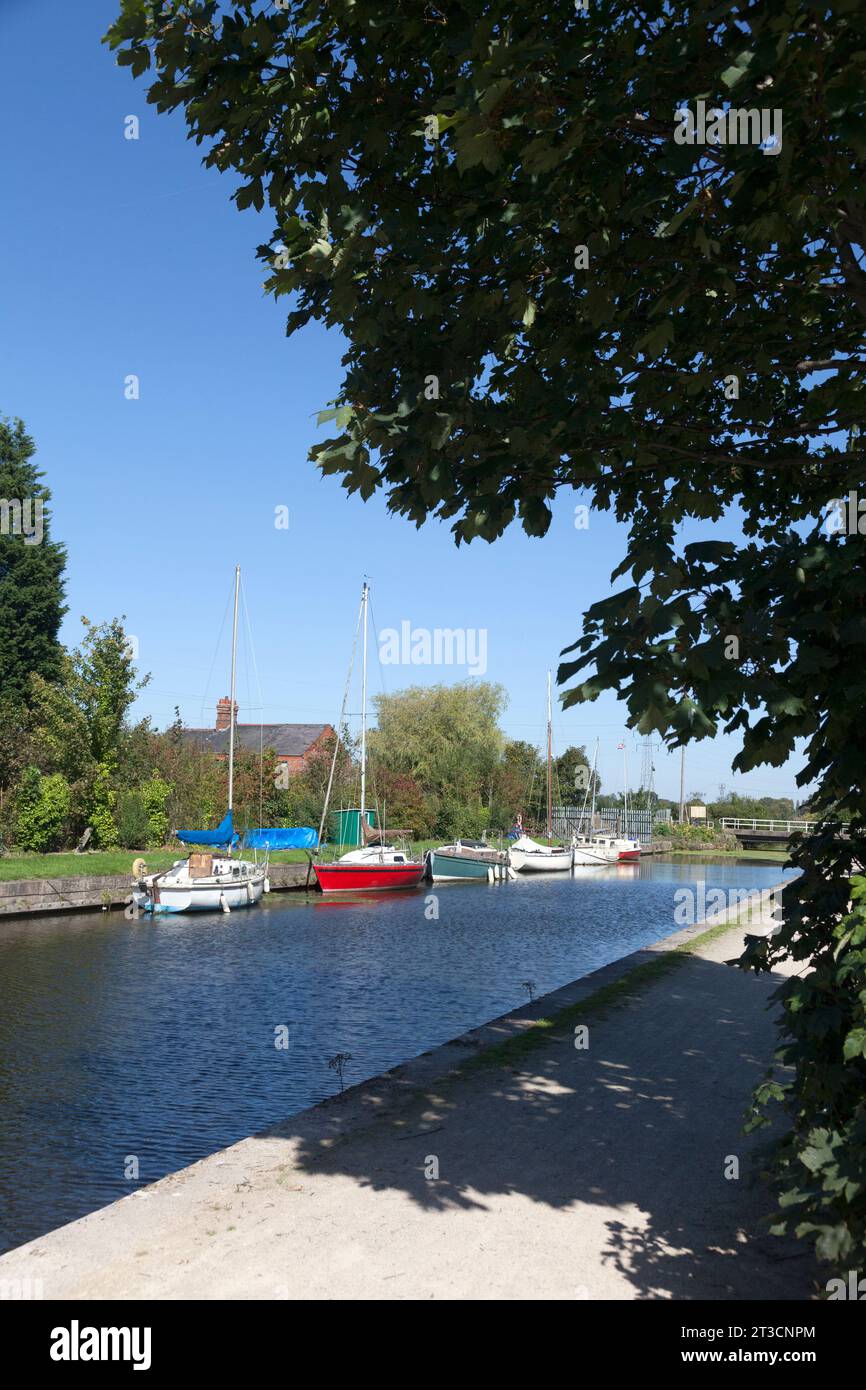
(574, 1173)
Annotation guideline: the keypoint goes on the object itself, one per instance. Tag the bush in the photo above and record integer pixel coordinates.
(42, 805)
(694, 836)
(133, 822)
(820, 1159)
(455, 819)
(154, 796)
(101, 817)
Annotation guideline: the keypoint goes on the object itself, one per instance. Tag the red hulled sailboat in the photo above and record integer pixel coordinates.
(372, 867)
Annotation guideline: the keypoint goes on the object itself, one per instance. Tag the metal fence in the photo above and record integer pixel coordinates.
(637, 825)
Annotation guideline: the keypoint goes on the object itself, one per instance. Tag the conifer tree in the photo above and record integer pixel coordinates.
(31, 569)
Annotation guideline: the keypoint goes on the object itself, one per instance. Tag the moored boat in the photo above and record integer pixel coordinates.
(472, 859)
(372, 867)
(370, 870)
(205, 882)
(595, 847)
(628, 851)
(202, 883)
(590, 853)
(527, 856)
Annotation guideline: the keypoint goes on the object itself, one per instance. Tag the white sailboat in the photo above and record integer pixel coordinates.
(593, 850)
(526, 855)
(208, 882)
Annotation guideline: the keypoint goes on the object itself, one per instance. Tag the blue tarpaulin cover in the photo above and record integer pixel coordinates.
(223, 835)
(282, 837)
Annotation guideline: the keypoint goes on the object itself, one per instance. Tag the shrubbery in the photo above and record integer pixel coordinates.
(42, 805)
(133, 823)
(694, 836)
(154, 796)
(820, 1162)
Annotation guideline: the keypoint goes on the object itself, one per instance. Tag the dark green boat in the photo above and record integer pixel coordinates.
(467, 859)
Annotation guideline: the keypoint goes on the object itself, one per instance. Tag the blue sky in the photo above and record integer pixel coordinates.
(122, 257)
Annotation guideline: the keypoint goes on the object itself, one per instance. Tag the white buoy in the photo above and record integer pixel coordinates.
(223, 904)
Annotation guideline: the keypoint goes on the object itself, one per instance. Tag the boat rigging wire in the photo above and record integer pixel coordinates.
(340, 726)
(216, 653)
(251, 650)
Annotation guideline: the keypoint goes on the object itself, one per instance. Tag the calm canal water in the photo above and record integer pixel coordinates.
(157, 1040)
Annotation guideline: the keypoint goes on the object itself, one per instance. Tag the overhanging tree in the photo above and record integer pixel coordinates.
(541, 287)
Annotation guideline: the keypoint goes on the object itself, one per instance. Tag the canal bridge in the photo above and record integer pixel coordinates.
(751, 831)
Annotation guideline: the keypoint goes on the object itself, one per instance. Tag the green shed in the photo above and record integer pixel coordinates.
(346, 825)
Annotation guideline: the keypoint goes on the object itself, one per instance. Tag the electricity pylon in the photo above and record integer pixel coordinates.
(647, 772)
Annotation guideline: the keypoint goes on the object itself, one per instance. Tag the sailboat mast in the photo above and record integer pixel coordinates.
(364, 593)
(232, 695)
(549, 759)
(625, 788)
(594, 766)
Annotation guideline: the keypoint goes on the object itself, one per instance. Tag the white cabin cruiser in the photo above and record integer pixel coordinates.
(202, 883)
(589, 852)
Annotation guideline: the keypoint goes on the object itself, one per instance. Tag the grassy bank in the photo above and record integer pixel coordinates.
(110, 861)
(119, 861)
(774, 856)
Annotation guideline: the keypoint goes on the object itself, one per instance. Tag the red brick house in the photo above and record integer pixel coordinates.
(292, 743)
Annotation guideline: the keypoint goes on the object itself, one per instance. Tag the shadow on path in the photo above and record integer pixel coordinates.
(629, 1139)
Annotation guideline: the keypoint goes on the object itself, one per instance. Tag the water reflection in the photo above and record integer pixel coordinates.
(156, 1040)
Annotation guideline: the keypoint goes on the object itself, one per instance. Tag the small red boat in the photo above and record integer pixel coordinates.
(629, 851)
(369, 869)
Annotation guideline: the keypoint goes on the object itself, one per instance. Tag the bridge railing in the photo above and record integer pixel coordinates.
(772, 827)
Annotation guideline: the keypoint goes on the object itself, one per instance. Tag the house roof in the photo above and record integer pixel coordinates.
(287, 740)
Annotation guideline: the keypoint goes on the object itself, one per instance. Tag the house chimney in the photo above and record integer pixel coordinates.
(224, 713)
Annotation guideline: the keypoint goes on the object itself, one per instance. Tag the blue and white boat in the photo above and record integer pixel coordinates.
(208, 882)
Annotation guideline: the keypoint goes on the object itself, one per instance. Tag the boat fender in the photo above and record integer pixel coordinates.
(223, 904)
(490, 876)
(267, 885)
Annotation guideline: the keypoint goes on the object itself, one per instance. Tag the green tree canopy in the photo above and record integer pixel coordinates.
(543, 286)
(31, 569)
(733, 803)
(518, 785)
(104, 685)
(573, 776)
(444, 736)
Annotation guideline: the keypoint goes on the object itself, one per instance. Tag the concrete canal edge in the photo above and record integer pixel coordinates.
(161, 1241)
(26, 897)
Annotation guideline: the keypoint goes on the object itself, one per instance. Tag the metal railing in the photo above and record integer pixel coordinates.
(774, 827)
